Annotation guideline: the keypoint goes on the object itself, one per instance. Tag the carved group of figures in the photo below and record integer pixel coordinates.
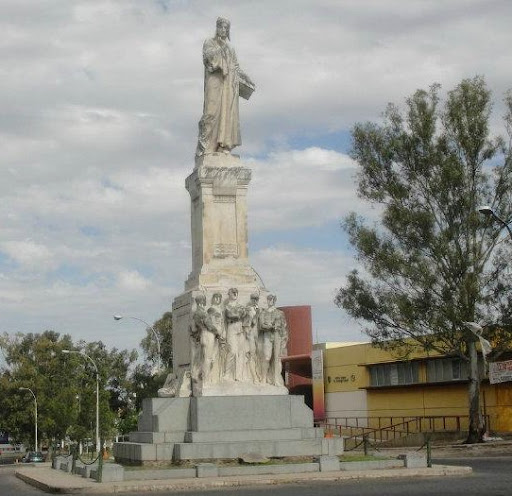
(233, 342)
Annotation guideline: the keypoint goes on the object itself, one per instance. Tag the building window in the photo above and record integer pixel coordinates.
(446, 370)
(394, 374)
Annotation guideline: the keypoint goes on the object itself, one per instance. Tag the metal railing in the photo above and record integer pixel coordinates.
(381, 429)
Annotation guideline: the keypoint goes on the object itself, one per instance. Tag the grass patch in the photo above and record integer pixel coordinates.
(227, 462)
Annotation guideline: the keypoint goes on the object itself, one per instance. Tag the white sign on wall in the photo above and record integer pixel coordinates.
(500, 372)
(317, 373)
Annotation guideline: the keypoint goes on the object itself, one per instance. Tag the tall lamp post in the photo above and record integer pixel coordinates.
(475, 328)
(35, 413)
(87, 357)
(155, 334)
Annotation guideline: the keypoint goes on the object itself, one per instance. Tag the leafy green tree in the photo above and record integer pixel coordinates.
(33, 361)
(65, 386)
(433, 262)
(115, 386)
(146, 379)
(145, 383)
(163, 328)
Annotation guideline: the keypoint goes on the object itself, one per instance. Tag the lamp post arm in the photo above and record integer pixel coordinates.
(35, 403)
(35, 414)
(509, 230)
(92, 361)
(82, 353)
(155, 334)
(98, 447)
(506, 225)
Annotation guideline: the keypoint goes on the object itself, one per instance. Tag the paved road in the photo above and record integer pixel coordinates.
(11, 486)
(491, 477)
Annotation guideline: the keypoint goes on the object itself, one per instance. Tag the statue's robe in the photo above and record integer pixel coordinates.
(220, 123)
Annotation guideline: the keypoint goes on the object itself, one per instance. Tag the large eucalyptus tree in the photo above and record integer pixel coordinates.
(433, 261)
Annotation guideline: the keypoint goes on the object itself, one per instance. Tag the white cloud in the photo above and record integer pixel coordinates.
(100, 104)
(300, 188)
(132, 281)
(28, 254)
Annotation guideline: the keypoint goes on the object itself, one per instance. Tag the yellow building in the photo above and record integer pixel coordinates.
(367, 383)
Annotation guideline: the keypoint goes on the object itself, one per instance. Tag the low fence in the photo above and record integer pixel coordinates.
(72, 456)
(376, 430)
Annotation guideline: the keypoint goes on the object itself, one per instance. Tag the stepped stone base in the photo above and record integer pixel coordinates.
(209, 428)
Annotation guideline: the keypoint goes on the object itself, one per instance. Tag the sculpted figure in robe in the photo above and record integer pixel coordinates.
(236, 344)
(216, 314)
(204, 344)
(273, 335)
(219, 127)
(250, 327)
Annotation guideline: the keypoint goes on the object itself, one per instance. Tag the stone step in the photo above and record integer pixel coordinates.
(254, 435)
(158, 437)
(143, 452)
(309, 447)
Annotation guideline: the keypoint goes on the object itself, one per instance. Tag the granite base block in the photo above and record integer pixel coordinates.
(84, 469)
(254, 435)
(210, 427)
(158, 437)
(278, 448)
(160, 474)
(238, 413)
(135, 451)
(289, 468)
(414, 460)
(164, 415)
(332, 446)
(66, 466)
(371, 465)
(329, 463)
(111, 472)
(87, 469)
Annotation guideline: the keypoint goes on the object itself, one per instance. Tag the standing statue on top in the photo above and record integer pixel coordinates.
(224, 82)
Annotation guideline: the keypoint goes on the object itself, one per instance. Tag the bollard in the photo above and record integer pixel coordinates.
(100, 464)
(365, 444)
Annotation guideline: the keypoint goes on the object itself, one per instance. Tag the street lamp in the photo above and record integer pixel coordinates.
(477, 330)
(35, 413)
(155, 334)
(488, 211)
(67, 352)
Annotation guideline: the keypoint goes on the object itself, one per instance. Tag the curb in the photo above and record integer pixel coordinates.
(89, 487)
(47, 488)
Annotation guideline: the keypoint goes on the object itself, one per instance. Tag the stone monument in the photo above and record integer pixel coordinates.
(226, 396)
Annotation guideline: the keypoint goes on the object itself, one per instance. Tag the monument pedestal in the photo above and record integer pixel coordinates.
(226, 397)
(177, 429)
(218, 194)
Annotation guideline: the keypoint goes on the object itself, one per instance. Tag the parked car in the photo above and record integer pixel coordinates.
(33, 457)
(11, 453)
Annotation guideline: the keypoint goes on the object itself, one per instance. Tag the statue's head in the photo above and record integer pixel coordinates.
(233, 293)
(216, 298)
(223, 28)
(200, 300)
(254, 298)
(271, 300)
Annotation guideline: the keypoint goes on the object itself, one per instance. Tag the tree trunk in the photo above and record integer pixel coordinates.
(476, 423)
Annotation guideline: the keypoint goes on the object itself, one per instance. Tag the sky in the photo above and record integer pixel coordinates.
(100, 102)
